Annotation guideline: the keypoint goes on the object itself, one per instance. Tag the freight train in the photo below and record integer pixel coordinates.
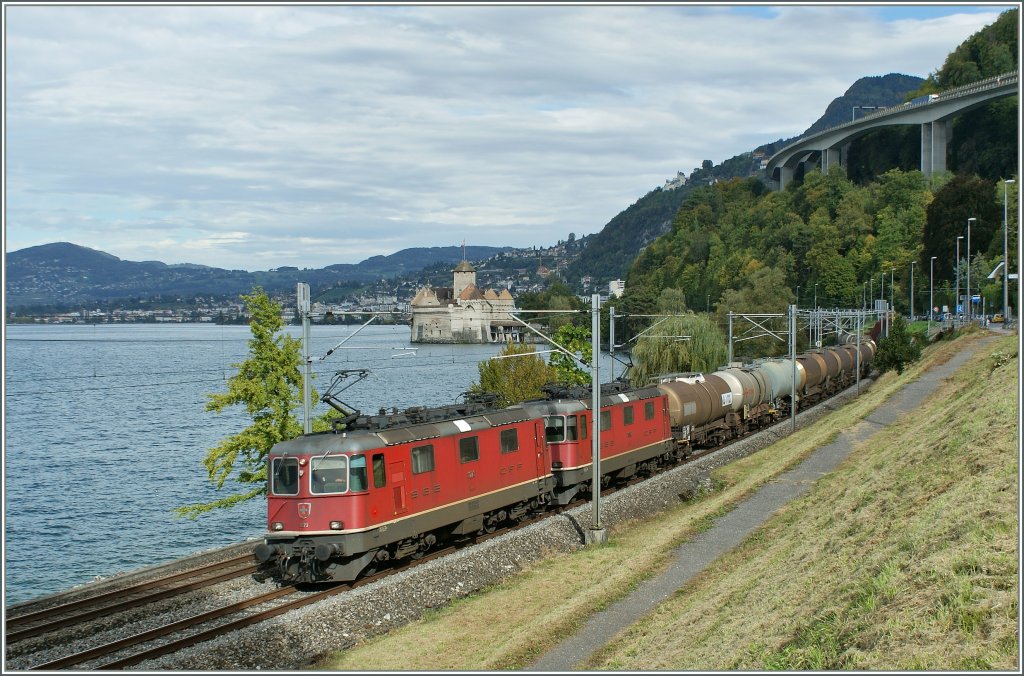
(342, 504)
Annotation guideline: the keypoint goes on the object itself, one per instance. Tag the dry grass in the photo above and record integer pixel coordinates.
(841, 568)
(904, 558)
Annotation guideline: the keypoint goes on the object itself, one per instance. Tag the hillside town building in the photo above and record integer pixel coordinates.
(463, 313)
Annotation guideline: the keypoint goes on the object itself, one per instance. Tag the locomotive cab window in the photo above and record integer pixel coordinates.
(627, 415)
(648, 410)
(554, 428)
(469, 450)
(570, 428)
(329, 474)
(285, 476)
(423, 459)
(509, 440)
(357, 473)
(606, 420)
(379, 477)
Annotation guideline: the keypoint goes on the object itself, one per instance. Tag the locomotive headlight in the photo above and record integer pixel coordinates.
(302, 462)
(337, 525)
(277, 525)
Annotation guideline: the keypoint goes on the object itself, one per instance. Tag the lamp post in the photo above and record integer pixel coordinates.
(1006, 262)
(956, 301)
(931, 291)
(970, 302)
(892, 301)
(853, 112)
(912, 290)
(881, 297)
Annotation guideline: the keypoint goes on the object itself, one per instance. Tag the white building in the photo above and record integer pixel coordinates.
(463, 313)
(616, 288)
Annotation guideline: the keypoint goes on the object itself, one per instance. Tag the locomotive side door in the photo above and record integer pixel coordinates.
(543, 450)
(396, 476)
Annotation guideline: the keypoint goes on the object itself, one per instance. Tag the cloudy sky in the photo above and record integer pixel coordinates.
(255, 136)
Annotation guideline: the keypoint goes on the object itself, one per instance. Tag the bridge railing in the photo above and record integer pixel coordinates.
(966, 90)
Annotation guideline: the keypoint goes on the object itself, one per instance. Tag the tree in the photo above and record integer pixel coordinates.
(576, 339)
(516, 377)
(898, 349)
(269, 385)
(690, 342)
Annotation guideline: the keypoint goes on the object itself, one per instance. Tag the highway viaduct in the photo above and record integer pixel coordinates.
(935, 116)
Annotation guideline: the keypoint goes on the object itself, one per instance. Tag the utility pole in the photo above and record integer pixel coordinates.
(792, 357)
(611, 329)
(970, 298)
(302, 300)
(597, 533)
(1006, 261)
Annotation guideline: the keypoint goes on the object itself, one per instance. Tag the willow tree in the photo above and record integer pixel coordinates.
(516, 375)
(690, 342)
(269, 385)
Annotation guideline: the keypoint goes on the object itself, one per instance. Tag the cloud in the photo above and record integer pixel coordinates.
(259, 136)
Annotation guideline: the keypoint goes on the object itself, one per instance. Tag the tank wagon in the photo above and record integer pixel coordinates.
(391, 487)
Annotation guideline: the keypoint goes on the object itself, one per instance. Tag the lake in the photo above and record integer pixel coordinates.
(105, 431)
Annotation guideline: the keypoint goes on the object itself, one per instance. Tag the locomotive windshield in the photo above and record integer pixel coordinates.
(284, 476)
(329, 474)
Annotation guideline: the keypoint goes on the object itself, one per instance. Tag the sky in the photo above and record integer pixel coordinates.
(262, 135)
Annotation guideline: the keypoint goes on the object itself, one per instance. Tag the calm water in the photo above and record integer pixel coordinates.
(105, 431)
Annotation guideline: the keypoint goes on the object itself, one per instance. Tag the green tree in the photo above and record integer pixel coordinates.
(691, 342)
(517, 376)
(898, 349)
(269, 385)
(576, 339)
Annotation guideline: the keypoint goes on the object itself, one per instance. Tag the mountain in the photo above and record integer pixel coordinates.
(867, 94)
(63, 273)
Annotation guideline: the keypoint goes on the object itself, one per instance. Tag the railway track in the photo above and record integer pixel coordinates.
(37, 623)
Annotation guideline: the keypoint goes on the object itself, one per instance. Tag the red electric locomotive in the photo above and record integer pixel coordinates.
(340, 503)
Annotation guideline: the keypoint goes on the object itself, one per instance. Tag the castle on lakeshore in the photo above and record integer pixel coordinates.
(462, 313)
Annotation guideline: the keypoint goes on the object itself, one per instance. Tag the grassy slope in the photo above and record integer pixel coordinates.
(906, 557)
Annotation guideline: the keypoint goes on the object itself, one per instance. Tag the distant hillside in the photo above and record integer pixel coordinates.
(609, 253)
(867, 93)
(63, 273)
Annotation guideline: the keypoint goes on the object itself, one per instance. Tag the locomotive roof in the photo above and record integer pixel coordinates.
(388, 430)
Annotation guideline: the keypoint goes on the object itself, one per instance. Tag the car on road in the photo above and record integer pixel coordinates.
(997, 319)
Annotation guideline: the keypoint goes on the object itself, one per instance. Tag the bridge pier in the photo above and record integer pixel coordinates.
(785, 176)
(830, 157)
(934, 140)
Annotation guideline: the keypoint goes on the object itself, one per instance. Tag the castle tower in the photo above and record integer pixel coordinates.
(464, 275)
